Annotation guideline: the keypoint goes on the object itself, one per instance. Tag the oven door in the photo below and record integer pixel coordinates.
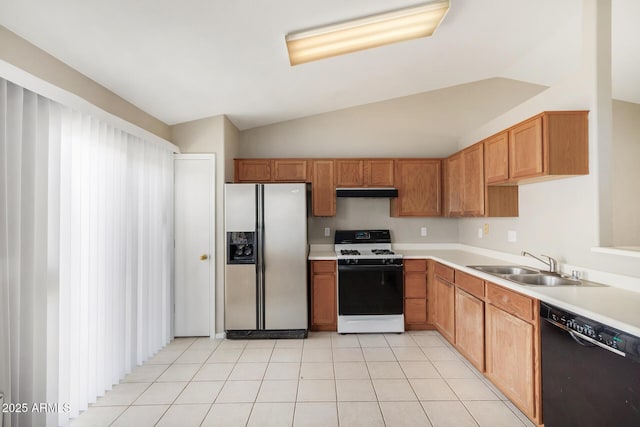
(370, 290)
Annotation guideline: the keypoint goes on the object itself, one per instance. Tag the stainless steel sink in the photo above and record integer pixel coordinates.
(504, 269)
(526, 276)
(542, 280)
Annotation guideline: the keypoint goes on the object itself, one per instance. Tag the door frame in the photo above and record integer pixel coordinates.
(211, 157)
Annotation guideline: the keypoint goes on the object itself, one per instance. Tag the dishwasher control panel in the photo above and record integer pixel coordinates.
(606, 336)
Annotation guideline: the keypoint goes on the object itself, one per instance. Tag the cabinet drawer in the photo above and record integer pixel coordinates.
(415, 265)
(415, 285)
(471, 284)
(511, 302)
(323, 266)
(415, 310)
(444, 272)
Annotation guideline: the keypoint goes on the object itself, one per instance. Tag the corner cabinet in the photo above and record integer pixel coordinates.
(419, 188)
(464, 182)
(324, 312)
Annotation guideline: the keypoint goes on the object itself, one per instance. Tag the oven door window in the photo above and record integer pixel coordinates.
(369, 290)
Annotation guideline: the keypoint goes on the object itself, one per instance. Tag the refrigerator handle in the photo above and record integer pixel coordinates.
(260, 256)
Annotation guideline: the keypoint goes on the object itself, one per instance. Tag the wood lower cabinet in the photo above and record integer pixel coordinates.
(415, 294)
(444, 303)
(323, 192)
(469, 326)
(252, 170)
(419, 188)
(512, 348)
(324, 312)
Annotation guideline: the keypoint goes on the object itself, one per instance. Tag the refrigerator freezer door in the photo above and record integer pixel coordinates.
(240, 207)
(285, 256)
(240, 297)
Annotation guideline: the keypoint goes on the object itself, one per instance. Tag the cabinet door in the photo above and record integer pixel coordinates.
(323, 302)
(525, 149)
(469, 321)
(349, 173)
(253, 170)
(323, 193)
(510, 357)
(473, 185)
(444, 304)
(285, 170)
(454, 184)
(496, 158)
(415, 311)
(378, 173)
(419, 183)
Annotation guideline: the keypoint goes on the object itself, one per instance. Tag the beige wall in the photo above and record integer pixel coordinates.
(33, 60)
(423, 125)
(563, 218)
(212, 135)
(626, 174)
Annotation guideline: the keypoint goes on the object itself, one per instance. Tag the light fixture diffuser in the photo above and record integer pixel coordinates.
(365, 33)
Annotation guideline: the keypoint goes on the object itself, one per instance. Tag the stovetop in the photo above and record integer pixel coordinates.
(364, 244)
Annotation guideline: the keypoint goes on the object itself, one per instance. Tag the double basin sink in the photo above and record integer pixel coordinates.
(526, 276)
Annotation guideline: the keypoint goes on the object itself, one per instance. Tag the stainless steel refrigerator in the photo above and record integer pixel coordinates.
(266, 261)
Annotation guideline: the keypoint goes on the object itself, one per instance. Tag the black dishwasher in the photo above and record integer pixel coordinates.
(590, 372)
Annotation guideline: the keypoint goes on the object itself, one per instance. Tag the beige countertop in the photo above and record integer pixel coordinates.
(616, 307)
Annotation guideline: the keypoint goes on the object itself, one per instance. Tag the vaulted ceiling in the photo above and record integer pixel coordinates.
(184, 60)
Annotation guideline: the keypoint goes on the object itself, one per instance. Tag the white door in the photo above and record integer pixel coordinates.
(194, 244)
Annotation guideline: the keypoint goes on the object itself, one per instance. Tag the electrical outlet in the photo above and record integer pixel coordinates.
(480, 233)
(511, 236)
(327, 232)
(423, 231)
(485, 229)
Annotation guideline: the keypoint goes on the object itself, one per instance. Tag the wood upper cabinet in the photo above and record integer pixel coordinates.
(349, 173)
(419, 188)
(473, 184)
(549, 145)
(364, 172)
(453, 183)
(323, 191)
(464, 182)
(252, 170)
(324, 314)
(496, 158)
(415, 294)
(469, 326)
(379, 172)
(525, 149)
(290, 170)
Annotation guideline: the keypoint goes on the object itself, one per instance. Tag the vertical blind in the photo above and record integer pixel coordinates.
(86, 254)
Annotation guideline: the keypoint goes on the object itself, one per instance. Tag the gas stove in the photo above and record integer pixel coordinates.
(365, 247)
(370, 282)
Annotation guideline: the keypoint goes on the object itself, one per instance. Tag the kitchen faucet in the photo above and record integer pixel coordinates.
(552, 263)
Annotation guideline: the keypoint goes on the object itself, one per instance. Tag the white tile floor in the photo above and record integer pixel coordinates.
(411, 379)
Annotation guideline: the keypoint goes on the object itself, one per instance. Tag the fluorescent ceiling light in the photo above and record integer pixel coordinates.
(365, 33)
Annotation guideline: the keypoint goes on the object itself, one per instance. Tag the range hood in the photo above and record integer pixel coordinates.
(367, 192)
